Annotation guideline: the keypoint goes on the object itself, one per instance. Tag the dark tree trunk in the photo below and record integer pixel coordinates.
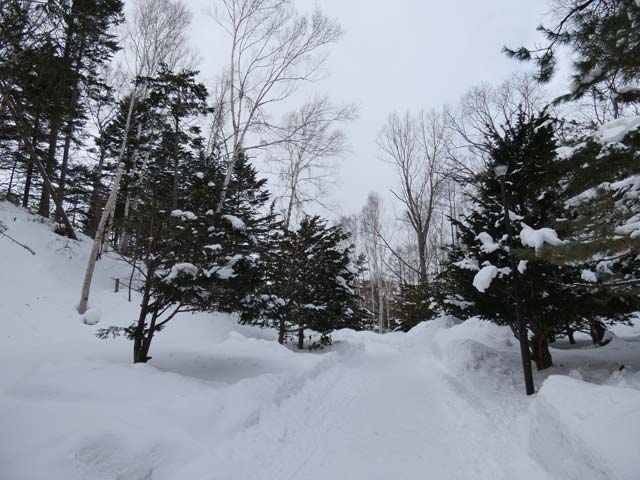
(281, 332)
(139, 340)
(13, 173)
(44, 206)
(174, 190)
(32, 160)
(540, 351)
(95, 204)
(65, 163)
(572, 339)
(27, 186)
(301, 338)
(597, 331)
(142, 354)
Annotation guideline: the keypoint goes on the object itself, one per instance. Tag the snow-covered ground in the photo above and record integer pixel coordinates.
(220, 401)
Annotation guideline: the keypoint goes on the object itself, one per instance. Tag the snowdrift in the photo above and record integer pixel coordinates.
(579, 430)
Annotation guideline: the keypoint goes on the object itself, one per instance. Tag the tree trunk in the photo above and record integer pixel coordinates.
(92, 224)
(301, 338)
(227, 179)
(139, 337)
(50, 166)
(597, 331)
(27, 185)
(572, 339)
(176, 164)
(281, 332)
(32, 160)
(540, 350)
(106, 213)
(65, 163)
(422, 255)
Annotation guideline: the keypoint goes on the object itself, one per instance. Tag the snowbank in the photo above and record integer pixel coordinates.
(580, 430)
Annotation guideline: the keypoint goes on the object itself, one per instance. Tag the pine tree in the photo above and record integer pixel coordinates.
(602, 189)
(307, 284)
(411, 305)
(534, 195)
(604, 36)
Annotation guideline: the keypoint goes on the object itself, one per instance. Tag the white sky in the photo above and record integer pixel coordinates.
(397, 55)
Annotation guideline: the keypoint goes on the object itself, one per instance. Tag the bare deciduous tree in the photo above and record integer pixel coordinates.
(274, 49)
(484, 109)
(305, 162)
(157, 35)
(418, 148)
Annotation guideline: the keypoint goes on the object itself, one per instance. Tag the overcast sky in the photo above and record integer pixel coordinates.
(398, 55)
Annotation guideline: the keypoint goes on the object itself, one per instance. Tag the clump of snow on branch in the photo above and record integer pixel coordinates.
(343, 283)
(488, 244)
(235, 222)
(178, 268)
(630, 228)
(184, 215)
(482, 280)
(522, 266)
(536, 238)
(468, 264)
(616, 130)
(589, 276)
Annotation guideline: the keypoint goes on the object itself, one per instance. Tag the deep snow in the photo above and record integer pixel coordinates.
(222, 401)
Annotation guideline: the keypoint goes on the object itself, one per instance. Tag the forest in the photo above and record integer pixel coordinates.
(196, 196)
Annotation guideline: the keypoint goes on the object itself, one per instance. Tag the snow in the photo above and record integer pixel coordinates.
(631, 227)
(482, 280)
(468, 264)
(235, 222)
(616, 130)
(92, 316)
(536, 238)
(522, 266)
(184, 215)
(221, 401)
(185, 268)
(589, 276)
(567, 425)
(226, 272)
(343, 284)
(488, 244)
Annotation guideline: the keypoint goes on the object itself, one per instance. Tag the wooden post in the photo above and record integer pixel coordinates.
(117, 289)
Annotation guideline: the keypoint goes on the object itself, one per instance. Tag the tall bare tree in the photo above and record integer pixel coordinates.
(305, 162)
(484, 110)
(417, 146)
(157, 34)
(274, 50)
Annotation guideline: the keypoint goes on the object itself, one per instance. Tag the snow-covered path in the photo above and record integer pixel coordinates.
(383, 412)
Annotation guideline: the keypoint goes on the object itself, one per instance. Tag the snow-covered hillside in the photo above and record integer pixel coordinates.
(220, 401)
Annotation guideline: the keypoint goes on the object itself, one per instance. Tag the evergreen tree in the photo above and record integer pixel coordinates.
(307, 284)
(528, 149)
(602, 187)
(189, 257)
(604, 36)
(411, 305)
